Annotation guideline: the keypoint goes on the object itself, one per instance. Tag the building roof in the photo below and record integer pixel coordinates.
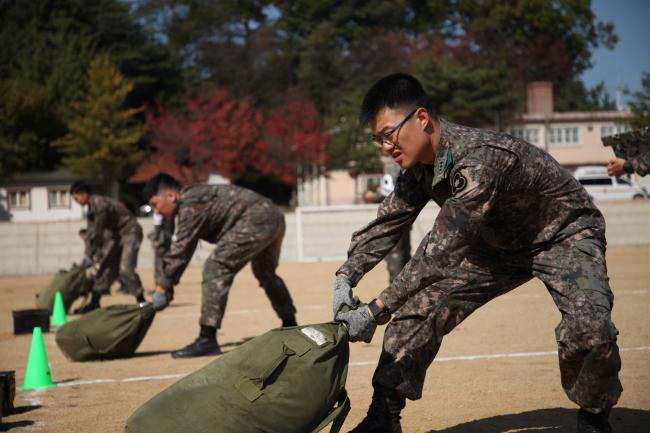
(47, 178)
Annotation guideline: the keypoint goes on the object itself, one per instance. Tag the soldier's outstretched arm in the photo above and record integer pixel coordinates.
(176, 259)
(396, 213)
(457, 227)
(641, 164)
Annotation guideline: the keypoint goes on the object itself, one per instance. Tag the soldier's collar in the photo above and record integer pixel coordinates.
(444, 159)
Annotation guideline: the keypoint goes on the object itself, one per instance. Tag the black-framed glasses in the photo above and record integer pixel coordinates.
(387, 137)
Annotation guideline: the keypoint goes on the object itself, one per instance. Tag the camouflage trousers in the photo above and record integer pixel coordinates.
(256, 237)
(399, 255)
(120, 263)
(575, 274)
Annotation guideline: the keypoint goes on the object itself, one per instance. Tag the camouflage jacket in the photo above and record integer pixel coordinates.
(108, 220)
(204, 212)
(634, 147)
(163, 233)
(490, 187)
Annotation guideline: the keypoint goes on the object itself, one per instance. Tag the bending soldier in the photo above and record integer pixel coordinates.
(243, 225)
(112, 241)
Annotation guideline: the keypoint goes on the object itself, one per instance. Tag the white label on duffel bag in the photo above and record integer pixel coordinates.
(314, 335)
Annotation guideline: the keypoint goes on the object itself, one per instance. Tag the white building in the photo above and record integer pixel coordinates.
(39, 196)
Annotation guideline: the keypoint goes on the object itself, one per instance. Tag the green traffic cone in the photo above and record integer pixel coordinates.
(37, 374)
(58, 313)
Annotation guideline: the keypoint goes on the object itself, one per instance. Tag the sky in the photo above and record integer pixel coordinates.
(631, 56)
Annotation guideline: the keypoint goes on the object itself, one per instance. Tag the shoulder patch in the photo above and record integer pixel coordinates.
(458, 183)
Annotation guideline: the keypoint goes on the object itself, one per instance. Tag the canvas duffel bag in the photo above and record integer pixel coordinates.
(110, 332)
(289, 380)
(72, 284)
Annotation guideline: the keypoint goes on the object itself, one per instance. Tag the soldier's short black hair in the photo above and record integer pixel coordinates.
(392, 91)
(158, 183)
(79, 187)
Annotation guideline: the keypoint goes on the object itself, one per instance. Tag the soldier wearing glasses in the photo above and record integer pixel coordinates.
(508, 213)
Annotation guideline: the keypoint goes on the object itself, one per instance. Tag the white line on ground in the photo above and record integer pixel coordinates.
(497, 356)
(352, 364)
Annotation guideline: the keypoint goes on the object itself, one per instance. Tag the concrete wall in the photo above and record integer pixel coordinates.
(312, 234)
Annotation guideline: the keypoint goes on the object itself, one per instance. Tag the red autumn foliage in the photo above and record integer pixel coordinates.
(217, 133)
(295, 140)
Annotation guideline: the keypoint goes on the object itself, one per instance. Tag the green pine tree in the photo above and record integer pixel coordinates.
(103, 135)
(640, 104)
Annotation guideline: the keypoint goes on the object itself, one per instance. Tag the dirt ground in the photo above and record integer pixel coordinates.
(497, 372)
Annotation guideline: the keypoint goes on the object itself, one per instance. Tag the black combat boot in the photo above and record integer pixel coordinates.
(383, 414)
(206, 344)
(92, 305)
(593, 423)
(291, 321)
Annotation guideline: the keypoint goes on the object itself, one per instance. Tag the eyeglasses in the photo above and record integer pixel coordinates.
(387, 137)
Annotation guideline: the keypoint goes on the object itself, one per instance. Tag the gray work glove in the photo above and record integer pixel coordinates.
(361, 327)
(159, 300)
(343, 294)
(91, 271)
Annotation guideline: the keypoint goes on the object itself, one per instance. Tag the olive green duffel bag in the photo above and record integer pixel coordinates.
(289, 380)
(105, 333)
(72, 284)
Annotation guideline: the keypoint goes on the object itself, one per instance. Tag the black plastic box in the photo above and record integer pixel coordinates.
(26, 320)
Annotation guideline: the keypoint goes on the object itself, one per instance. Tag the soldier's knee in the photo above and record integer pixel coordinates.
(594, 336)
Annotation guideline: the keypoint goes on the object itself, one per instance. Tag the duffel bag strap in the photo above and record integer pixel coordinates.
(337, 415)
(251, 388)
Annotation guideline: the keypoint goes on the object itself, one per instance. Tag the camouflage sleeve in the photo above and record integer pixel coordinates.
(396, 213)
(96, 232)
(641, 164)
(475, 186)
(190, 223)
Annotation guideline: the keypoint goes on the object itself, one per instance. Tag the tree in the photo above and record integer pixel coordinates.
(214, 133)
(474, 95)
(575, 96)
(37, 87)
(640, 104)
(103, 136)
(47, 46)
(295, 142)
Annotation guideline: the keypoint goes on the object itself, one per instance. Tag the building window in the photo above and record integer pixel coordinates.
(19, 200)
(563, 135)
(609, 130)
(531, 135)
(58, 199)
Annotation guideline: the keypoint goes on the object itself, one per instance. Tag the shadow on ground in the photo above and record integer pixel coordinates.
(24, 409)
(6, 426)
(556, 420)
(151, 353)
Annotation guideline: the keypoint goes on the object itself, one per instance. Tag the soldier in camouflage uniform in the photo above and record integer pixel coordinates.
(508, 213)
(112, 244)
(636, 146)
(243, 225)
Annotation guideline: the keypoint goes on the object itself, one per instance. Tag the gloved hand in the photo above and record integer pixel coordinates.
(343, 294)
(92, 270)
(160, 300)
(361, 326)
(86, 262)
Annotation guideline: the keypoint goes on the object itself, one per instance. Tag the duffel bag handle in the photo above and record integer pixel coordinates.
(337, 415)
(251, 388)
